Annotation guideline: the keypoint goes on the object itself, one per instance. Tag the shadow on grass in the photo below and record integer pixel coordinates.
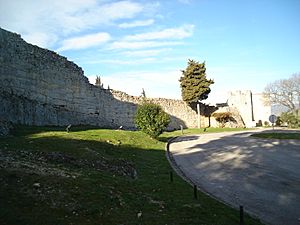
(20, 130)
(63, 180)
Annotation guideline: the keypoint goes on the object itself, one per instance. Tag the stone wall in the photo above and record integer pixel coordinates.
(40, 87)
(180, 112)
(251, 107)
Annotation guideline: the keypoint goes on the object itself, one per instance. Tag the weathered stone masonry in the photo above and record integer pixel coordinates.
(40, 87)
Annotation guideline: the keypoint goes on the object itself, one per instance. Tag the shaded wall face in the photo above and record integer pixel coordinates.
(40, 87)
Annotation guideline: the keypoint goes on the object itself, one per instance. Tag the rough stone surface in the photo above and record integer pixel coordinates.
(40, 87)
(5, 128)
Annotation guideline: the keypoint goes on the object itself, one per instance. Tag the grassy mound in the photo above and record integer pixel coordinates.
(97, 176)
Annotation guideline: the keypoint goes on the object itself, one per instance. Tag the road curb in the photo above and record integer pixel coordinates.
(173, 163)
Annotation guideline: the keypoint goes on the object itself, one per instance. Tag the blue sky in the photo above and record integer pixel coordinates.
(145, 44)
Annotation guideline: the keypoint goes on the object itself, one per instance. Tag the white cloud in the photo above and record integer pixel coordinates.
(40, 39)
(119, 10)
(123, 62)
(146, 53)
(142, 44)
(137, 23)
(56, 18)
(138, 61)
(84, 41)
(170, 33)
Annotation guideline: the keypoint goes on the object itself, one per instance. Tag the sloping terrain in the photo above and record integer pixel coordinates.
(96, 176)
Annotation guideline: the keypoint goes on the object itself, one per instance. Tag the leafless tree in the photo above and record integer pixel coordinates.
(285, 92)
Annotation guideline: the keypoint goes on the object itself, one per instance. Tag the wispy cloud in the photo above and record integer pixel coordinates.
(119, 10)
(142, 44)
(40, 38)
(146, 53)
(137, 23)
(57, 19)
(161, 38)
(122, 61)
(85, 41)
(170, 33)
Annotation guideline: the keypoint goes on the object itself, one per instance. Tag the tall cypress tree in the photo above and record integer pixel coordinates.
(194, 84)
(98, 82)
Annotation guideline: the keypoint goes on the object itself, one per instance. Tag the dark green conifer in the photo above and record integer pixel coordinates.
(194, 84)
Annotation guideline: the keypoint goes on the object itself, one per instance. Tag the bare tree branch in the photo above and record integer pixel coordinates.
(285, 92)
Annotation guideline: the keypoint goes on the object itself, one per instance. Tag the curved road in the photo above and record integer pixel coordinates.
(263, 175)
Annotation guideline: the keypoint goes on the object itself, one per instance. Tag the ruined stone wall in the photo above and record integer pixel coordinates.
(242, 101)
(251, 107)
(180, 112)
(40, 87)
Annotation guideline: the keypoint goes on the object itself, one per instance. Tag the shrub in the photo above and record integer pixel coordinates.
(222, 117)
(259, 123)
(151, 119)
(291, 118)
(278, 121)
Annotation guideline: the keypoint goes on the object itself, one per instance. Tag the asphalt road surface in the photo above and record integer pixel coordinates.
(263, 175)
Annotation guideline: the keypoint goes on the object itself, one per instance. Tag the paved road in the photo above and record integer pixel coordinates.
(263, 175)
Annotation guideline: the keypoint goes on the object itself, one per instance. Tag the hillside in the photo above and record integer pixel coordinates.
(96, 176)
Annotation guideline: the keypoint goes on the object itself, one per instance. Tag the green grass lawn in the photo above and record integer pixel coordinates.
(97, 176)
(278, 135)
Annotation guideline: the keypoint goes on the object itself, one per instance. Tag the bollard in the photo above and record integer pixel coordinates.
(181, 128)
(195, 192)
(171, 177)
(241, 215)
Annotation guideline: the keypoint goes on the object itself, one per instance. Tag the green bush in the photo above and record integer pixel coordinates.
(278, 121)
(291, 118)
(151, 119)
(222, 118)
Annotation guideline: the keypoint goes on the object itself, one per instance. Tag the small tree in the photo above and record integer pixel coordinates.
(194, 84)
(151, 119)
(222, 117)
(291, 118)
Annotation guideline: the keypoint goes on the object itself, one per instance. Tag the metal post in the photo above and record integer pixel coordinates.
(241, 215)
(195, 192)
